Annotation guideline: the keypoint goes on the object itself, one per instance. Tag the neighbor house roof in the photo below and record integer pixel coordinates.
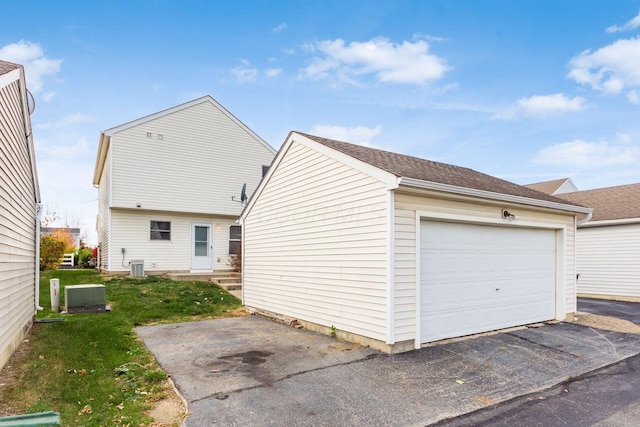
(610, 203)
(416, 168)
(553, 187)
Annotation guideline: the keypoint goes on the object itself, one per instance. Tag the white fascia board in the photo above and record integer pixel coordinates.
(29, 134)
(101, 156)
(206, 98)
(428, 185)
(605, 223)
(10, 77)
(389, 179)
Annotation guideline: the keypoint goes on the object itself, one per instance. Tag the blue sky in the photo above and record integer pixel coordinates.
(528, 90)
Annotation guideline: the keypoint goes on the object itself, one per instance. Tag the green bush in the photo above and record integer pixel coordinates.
(51, 252)
(82, 257)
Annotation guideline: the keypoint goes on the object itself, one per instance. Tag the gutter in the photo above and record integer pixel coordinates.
(428, 185)
(602, 223)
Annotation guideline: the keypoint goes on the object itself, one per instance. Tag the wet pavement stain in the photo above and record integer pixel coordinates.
(252, 357)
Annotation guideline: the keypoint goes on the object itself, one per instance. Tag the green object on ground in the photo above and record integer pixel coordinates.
(37, 419)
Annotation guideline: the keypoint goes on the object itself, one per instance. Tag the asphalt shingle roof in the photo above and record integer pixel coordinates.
(5, 67)
(405, 166)
(548, 187)
(609, 203)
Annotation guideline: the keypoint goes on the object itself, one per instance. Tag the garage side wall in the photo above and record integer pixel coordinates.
(406, 206)
(608, 260)
(315, 245)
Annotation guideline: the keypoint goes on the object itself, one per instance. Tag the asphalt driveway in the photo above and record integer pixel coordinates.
(252, 371)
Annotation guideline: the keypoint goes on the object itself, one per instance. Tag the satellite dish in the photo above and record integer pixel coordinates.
(31, 102)
(243, 193)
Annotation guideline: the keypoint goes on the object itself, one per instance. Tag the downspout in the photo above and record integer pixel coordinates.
(585, 219)
(37, 284)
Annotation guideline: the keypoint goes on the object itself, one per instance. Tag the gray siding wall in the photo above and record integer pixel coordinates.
(316, 244)
(17, 224)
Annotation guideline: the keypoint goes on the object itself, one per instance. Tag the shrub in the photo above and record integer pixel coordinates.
(51, 251)
(83, 256)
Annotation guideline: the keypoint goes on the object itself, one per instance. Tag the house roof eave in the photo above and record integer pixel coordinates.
(103, 149)
(465, 191)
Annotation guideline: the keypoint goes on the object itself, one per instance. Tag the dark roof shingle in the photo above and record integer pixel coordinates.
(549, 187)
(5, 66)
(609, 203)
(402, 165)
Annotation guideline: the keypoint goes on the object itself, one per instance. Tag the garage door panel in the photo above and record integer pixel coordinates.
(476, 278)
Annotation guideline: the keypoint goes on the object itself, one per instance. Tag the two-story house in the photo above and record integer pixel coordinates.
(19, 200)
(170, 187)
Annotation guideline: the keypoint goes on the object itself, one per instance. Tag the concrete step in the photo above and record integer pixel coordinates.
(231, 286)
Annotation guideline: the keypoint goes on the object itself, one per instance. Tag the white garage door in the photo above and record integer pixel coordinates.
(477, 278)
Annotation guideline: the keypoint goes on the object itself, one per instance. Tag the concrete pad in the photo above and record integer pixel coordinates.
(252, 371)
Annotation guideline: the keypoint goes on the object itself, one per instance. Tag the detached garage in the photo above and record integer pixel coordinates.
(395, 251)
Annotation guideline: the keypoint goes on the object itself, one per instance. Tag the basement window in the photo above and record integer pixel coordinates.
(235, 238)
(160, 230)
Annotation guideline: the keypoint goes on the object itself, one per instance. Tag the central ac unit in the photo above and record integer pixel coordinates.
(137, 268)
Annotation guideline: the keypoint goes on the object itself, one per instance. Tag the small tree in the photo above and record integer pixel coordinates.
(51, 251)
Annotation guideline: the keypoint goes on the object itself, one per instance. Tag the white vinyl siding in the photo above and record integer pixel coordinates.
(201, 161)
(608, 260)
(406, 206)
(130, 230)
(405, 275)
(104, 214)
(17, 224)
(315, 245)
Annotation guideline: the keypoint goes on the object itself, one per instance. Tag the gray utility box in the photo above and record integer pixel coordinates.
(85, 298)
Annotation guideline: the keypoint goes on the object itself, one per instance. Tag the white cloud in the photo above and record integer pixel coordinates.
(280, 28)
(418, 36)
(405, 63)
(36, 65)
(356, 135)
(629, 25)
(588, 155)
(633, 96)
(611, 69)
(542, 105)
(273, 72)
(245, 75)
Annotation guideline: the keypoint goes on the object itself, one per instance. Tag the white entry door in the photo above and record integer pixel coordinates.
(201, 246)
(477, 278)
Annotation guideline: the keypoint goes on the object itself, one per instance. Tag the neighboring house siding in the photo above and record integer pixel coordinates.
(202, 159)
(406, 206)
(608, 260)
(316, 245)
(104, 214)
(130, 230)
(17, 224)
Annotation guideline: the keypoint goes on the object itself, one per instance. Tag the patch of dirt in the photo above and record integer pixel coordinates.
(607, 323)
(9, 377)
(170, 411)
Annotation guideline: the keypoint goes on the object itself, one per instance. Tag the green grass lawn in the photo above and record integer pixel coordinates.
(92, 368)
